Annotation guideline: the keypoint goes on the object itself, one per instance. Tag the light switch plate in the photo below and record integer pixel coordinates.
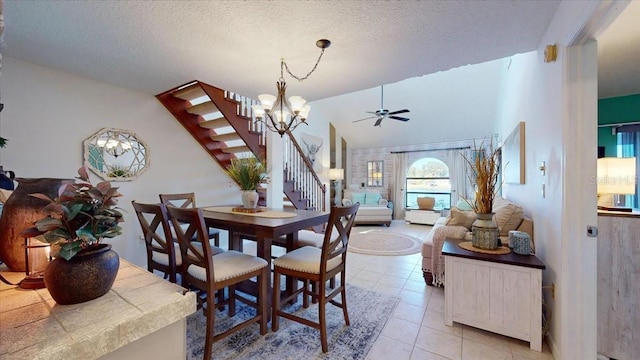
(543, 168)
(542, 191)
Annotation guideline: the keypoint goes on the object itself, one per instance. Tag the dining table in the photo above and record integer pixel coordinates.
(265, 226)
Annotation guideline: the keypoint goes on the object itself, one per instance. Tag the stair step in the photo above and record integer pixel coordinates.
(190, 92)
(226, 137)
(215, 123)
(203, 109)
(236, 149)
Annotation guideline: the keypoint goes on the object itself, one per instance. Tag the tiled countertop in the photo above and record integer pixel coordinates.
(33, 326)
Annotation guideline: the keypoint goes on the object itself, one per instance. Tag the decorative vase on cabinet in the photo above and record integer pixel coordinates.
(485, 232)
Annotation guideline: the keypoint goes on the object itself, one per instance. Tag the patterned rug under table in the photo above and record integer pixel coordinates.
(368, 314)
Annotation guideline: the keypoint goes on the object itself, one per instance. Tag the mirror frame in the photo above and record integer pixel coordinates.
(94, 152)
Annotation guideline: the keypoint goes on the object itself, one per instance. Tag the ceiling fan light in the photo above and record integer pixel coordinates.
(267, 101)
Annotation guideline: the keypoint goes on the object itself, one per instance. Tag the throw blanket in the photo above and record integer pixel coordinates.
(441, 233)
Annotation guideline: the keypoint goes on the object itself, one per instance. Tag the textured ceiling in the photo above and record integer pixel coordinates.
(152, 46)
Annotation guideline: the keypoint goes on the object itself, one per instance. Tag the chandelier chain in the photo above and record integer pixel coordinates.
(308, 74)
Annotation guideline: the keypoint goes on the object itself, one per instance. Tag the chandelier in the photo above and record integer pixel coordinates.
(114, 144)
(276, 112)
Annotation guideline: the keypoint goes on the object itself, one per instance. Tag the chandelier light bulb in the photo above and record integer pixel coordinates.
(258, 110)
(267, 101)
(297, 103)
(304, 112)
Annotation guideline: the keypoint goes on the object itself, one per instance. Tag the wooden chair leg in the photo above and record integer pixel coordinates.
(343, 294)
(305, 293)
(263, 300)
(210, 316)
(322, 302)
(276, 301)
(232, 300)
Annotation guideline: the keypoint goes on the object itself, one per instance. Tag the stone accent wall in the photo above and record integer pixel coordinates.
(359, 158)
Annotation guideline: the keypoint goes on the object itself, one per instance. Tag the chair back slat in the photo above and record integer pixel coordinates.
(157, 234)
(336, 241)
(193, 239)
(181, 200)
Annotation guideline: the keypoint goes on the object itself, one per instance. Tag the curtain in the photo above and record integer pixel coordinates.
(399, 182)
(629, 144)
(457, 176)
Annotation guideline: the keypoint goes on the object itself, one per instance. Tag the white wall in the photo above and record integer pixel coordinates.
(558, 102)
(48, 114)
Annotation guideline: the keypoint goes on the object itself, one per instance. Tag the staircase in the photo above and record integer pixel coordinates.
(223, 124)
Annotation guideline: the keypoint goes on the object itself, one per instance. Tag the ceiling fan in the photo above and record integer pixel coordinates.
(384, 113)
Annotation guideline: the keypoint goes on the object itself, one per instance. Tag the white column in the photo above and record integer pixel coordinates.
(275, 154)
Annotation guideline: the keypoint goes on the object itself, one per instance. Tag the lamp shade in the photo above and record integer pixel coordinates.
(617, 175)
(336, 174)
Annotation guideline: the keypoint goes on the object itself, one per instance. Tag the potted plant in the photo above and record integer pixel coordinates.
(248, 173)
(484, 166)
(82, 215)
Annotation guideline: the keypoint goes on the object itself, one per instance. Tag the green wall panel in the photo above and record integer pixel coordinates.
(615, 110)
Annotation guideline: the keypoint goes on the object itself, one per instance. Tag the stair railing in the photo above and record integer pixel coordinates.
(297, 166)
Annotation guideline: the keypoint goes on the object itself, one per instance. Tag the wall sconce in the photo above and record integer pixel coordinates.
(34, 278)
(336, 175)
(616, 176)
(550, 53)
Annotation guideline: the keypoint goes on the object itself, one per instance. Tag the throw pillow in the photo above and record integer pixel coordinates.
(462, 217)
(426, 203)
(371, 198)
(357, 198)
(463, 204)
(4, 195)
(508, 215)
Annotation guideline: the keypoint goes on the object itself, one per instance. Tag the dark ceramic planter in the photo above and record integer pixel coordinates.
(86, 276)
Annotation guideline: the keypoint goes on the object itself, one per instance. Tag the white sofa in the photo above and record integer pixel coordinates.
(374, 208)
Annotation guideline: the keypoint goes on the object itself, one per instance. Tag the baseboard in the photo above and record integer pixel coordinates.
(553, 347)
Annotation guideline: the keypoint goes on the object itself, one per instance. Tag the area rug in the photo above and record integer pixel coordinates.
(380, 242)
(368, 314)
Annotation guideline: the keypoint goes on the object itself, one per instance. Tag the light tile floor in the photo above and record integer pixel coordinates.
(416, 329)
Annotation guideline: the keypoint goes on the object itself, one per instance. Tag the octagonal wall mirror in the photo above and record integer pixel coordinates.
(116, 155)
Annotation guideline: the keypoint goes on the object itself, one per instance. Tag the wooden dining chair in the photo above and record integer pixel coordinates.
(205, 273)
(163, 253)
(188, 201)
(314, 267)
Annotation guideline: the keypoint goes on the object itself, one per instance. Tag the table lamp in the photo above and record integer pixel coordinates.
(336, 175)
(616, 176)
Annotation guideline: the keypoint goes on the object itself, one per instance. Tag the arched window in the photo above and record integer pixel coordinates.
(428, 177)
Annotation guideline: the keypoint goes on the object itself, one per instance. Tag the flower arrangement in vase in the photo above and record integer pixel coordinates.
(249, 173)
(484, 165)
(82, 215)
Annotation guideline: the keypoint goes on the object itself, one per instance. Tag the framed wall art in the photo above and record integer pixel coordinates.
(513, 156)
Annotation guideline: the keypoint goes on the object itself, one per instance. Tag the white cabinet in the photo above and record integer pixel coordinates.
(425, 217)
(497, 293)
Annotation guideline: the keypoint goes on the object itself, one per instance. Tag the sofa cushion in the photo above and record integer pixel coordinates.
(358, 197)
(426, 203)
(508, 215)
(462, 218)
(371, 198)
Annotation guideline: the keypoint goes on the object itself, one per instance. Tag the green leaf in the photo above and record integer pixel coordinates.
(86, 235)
(69, 250)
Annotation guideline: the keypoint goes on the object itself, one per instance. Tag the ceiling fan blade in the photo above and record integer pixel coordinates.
(378, 121)
(367, 118)
(399, 112)
(399, 118)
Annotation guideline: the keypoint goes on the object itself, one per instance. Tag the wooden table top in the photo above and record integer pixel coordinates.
(451, 248)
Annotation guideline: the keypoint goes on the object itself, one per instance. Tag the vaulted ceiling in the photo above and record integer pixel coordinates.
(151, 46)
